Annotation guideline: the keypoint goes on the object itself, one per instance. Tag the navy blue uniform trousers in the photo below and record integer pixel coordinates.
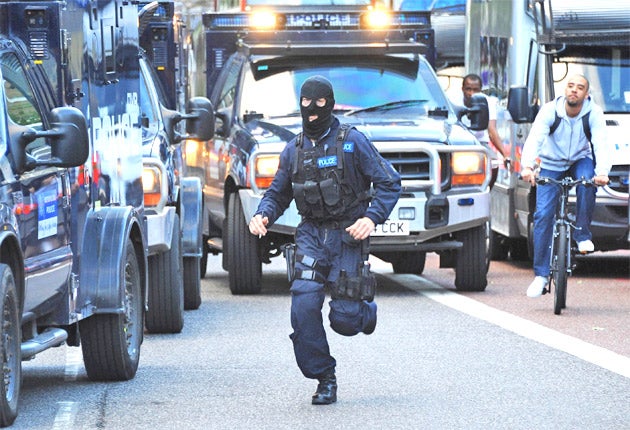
(333, 247)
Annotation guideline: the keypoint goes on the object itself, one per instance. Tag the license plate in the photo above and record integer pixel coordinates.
(392, 228)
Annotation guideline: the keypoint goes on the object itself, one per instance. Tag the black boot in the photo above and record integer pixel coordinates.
(326, 390)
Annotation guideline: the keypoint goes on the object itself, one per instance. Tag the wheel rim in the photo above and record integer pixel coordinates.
(9, 345)
(130, 312)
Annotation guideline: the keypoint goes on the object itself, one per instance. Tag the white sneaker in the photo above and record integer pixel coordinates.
(585, 246)
(537, 286)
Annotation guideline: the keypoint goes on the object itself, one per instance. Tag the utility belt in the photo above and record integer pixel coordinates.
(329, 224)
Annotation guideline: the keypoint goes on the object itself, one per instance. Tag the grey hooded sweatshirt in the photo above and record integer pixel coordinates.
(568, 143)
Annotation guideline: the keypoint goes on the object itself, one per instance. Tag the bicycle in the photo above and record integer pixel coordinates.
(562, 252)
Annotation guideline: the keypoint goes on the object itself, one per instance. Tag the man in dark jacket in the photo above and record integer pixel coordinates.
(328, 169)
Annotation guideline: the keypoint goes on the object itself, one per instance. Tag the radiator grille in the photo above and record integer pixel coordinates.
(415, 166)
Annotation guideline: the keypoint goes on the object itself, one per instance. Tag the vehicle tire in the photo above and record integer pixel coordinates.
(471, 266)
(243, 259)
(165, 313)
(10, 338)
(111, 342)
(409, 262)
(192, 283)
(559, 266)
(203, 262)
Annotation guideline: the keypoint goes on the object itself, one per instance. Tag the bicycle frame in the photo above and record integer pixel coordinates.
(561, 262)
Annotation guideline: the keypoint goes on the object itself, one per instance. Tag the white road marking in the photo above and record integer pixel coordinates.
(74, 363)
(64, 419)
(65, 415)
(594, 354)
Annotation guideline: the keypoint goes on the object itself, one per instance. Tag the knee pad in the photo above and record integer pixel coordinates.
(350, 317)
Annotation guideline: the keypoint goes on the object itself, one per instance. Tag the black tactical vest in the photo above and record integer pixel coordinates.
(320, 190)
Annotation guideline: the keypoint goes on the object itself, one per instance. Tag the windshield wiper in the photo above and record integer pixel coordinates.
(388, 106)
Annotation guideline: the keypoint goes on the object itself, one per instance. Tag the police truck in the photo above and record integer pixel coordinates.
(381, 66)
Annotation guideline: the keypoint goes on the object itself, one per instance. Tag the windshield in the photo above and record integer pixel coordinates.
(359, 90)
(608, 75)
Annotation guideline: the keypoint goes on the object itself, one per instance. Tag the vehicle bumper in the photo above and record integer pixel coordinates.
(464, 210)
(160, 229)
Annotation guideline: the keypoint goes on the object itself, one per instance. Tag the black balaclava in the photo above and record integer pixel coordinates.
(317, 87)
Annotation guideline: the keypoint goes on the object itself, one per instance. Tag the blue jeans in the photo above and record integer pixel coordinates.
(546, 202)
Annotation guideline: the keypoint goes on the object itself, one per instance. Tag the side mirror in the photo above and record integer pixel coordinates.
(199, 118)
(68, 139)
(478, 113)
(518, 105)
(70, 146)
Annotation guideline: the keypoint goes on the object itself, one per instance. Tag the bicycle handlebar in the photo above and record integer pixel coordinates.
(567, 181)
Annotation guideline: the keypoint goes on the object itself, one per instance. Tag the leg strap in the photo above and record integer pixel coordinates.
(316, 271)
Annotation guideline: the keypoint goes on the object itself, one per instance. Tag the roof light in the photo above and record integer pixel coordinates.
(377, 18)
(263, 19)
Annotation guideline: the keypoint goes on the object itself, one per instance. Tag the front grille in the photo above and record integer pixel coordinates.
(415, 166)
(619, 178)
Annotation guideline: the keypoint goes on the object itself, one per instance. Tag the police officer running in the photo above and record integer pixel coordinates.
(328, 170)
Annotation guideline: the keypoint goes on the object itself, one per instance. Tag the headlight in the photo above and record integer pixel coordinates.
(151, 185)
(265, 168)
(469, 168)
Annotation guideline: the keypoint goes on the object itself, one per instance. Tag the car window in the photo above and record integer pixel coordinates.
(22, 107)
(228, 91)
(147, 108)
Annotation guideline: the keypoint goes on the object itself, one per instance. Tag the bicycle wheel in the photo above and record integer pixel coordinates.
(560, 273)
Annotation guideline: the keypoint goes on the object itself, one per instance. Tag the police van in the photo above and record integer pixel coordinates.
(74, 242)
(380, 64)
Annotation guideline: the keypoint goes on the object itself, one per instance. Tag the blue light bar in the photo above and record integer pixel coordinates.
(316, 20)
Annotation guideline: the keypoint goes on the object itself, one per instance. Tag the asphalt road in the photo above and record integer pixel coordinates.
(437, 360)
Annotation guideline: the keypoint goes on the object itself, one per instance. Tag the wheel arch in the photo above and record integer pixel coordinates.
(11, 255)
(102, 259)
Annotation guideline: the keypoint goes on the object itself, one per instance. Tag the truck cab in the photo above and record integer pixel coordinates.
(386, 87)
(172, 201)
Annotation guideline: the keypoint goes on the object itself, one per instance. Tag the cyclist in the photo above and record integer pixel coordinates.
(559, 139)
